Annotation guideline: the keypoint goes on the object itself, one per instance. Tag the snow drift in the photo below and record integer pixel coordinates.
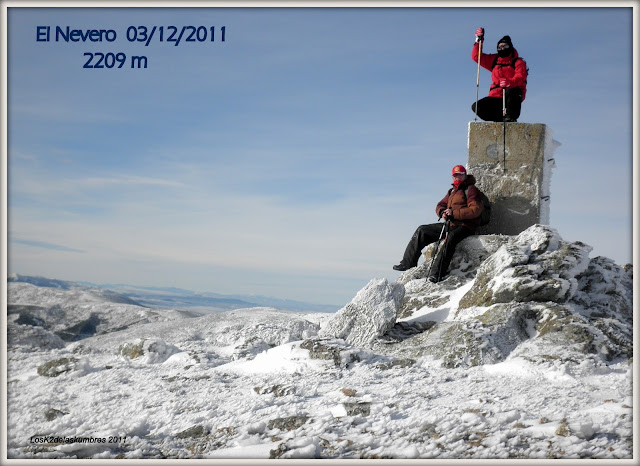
(523, 351)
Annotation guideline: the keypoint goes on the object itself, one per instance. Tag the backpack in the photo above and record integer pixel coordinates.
(485, 216)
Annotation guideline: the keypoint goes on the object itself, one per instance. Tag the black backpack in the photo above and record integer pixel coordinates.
(485, 216)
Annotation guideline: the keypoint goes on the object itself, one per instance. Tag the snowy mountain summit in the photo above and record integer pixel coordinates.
(532, 296)
(524, 351)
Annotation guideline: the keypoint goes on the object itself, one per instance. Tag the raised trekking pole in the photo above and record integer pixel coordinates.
(504, 131)
(478, 77)
(435, 251)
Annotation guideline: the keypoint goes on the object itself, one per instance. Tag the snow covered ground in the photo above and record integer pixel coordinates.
(239, 385)
(523, 352)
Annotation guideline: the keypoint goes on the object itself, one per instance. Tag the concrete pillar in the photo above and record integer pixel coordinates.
(512, 164)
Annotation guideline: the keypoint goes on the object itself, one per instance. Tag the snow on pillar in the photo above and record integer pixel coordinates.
(516, 180)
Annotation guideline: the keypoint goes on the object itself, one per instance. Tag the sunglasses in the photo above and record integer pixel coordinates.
(503, 47)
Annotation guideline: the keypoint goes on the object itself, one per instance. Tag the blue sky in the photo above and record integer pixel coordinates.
(296, 158)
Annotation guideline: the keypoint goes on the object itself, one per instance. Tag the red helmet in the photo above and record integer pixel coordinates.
(458, 169)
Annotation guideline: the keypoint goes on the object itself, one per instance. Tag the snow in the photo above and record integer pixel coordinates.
(241, 385)
(288, 358)
(491, 411)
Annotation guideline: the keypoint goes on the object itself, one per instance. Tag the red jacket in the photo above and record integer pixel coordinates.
(466, 209)
(516, 75)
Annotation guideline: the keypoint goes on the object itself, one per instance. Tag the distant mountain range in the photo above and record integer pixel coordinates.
(177, 298)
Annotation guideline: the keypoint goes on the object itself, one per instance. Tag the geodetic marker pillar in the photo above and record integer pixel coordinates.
(512, 164)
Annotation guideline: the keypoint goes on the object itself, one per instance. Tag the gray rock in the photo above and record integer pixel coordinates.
(131, 350)
(396, 363)
(534, 266)
(277, 390)
(52, 413)
(369, 315)
(57, 366)
(287, 423)
(197, 431)
(152, 351)
(331, 350)
(559, 325)
(532, 295)
(250, 348)
(358, 408)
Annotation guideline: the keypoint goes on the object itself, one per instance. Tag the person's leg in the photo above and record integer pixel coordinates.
(442, 261)
(513, 99)
(489, 108)
(424, 235)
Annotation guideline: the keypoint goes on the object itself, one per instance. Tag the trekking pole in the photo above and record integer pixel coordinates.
(504, 131)
(478, 78)
(435, 251)
(444, 252)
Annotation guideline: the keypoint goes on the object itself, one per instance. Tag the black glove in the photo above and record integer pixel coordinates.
(479, 34)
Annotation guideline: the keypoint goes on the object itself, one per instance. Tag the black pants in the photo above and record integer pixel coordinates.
(427, 234)
(490, 108)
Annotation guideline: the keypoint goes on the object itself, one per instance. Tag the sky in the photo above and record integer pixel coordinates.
(295, 158)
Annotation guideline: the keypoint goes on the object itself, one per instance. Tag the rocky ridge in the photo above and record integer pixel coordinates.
(532, 295)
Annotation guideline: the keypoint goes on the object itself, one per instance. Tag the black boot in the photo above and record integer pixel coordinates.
(436, 279)
(401, 267)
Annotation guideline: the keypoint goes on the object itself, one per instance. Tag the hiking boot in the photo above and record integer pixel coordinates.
(436, 279)
(401, 267)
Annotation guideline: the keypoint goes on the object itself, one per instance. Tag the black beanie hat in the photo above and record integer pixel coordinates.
(505, 40)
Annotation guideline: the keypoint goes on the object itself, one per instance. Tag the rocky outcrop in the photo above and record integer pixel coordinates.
(369, 315)
(57, 367)
(534, 266)
(532, 295)
(152, 351)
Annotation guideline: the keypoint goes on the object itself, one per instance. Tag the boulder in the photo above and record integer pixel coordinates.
(534, 266)
(152, 351)
(368, 316)
(57, 367)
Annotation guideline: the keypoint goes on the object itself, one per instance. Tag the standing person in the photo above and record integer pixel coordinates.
(461, 210)
(508, 74)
